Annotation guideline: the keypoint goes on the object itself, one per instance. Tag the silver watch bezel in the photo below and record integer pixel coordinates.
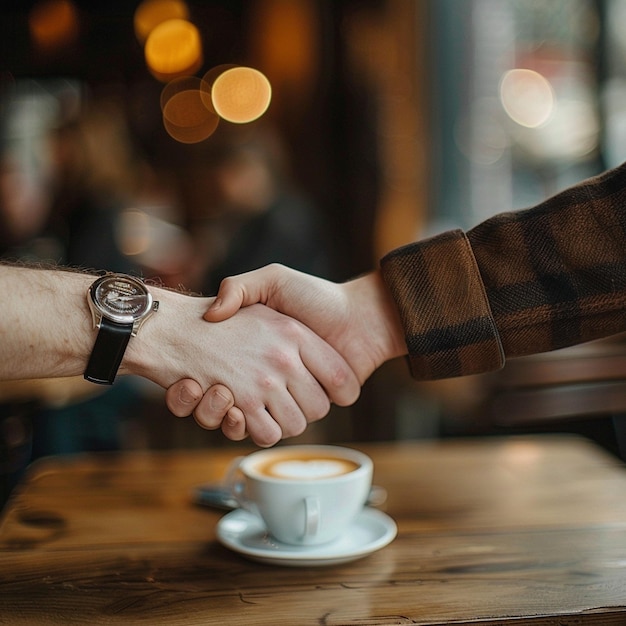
(129, 287)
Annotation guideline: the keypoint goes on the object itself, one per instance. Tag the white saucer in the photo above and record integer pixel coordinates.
(245, 533)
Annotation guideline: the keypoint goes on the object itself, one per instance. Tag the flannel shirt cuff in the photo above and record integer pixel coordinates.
(449, 328)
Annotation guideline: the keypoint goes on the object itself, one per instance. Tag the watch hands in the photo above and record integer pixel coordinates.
(120, 298)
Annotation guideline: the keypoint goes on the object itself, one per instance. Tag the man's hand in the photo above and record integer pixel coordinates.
(357, 318)
(215, 409)
(281, 374)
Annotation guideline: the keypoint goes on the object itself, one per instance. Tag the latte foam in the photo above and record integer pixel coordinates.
(305, 468)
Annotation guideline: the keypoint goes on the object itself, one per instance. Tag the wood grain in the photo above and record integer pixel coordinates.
(495, 531)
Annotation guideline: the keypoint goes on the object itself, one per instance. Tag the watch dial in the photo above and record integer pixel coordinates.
(122, 298)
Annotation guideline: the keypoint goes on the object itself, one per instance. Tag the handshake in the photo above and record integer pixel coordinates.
(277, 346)
(281, 365)
(263, 359)
(271, 352)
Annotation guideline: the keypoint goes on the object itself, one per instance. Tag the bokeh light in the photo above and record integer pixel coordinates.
(133, 232)
(53, 24)
(150, 13)
(241, 94)
(188, 115)
(527, 97)
(173, 49)
(154, 242)
(184, 83)
(211, 76)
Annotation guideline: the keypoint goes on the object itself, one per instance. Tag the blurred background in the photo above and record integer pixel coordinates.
(388, 121)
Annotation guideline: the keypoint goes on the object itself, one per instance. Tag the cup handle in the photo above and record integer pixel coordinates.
(311, 516)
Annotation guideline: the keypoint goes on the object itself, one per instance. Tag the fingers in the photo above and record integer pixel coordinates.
(234, 425)
(212, 410)
(336, 377)
(285, 414)
(216, 410)
(183, 397)
(329, 369)
(283, 419)
(260, 425)
(297, 386)
(292, 389)
(213, 407)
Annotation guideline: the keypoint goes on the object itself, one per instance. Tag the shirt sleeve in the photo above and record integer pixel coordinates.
(519, 283)
(449, 327)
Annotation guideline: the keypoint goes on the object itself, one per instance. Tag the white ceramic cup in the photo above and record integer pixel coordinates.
(305, 494)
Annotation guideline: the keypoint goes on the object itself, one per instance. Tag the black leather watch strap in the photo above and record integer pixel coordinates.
(108, 352)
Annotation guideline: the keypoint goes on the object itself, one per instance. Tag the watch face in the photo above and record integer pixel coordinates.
(123, 299)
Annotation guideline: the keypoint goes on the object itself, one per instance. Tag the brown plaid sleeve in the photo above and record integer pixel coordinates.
(519, 283)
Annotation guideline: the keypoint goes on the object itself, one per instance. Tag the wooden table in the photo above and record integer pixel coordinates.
(491, 531)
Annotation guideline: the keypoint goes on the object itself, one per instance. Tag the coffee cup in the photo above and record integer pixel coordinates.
(305, 494)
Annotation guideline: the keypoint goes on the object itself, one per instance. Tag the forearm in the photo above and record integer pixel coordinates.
(45, 324)
(519, 283)
(555, 274)
(46, 328)
(281, 374)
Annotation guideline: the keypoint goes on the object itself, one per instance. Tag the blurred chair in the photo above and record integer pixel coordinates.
(568, 389)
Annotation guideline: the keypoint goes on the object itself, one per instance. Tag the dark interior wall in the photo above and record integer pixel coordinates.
(332, 140)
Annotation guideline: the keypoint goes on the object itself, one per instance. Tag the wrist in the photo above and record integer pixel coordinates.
(142, 353)
(370, 293)
(120, 304)
(161, 350)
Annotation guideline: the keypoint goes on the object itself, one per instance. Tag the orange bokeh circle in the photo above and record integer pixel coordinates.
(173, 48)
(186, 117)
(150, 13)
(241, 94)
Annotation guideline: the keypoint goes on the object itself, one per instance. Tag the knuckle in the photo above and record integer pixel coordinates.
(340, 376)
(291, 327)
(227, 281)
(268, 383)
(283, 360)
(345, 385)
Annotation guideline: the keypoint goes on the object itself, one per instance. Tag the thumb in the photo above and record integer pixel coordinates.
(236, 292)
(225, 305)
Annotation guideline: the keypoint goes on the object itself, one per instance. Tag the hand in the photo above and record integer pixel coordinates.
(357, 318)
(212, 410)
(282, 375)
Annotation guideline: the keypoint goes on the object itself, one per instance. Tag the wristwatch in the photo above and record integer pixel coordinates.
(119, 305)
